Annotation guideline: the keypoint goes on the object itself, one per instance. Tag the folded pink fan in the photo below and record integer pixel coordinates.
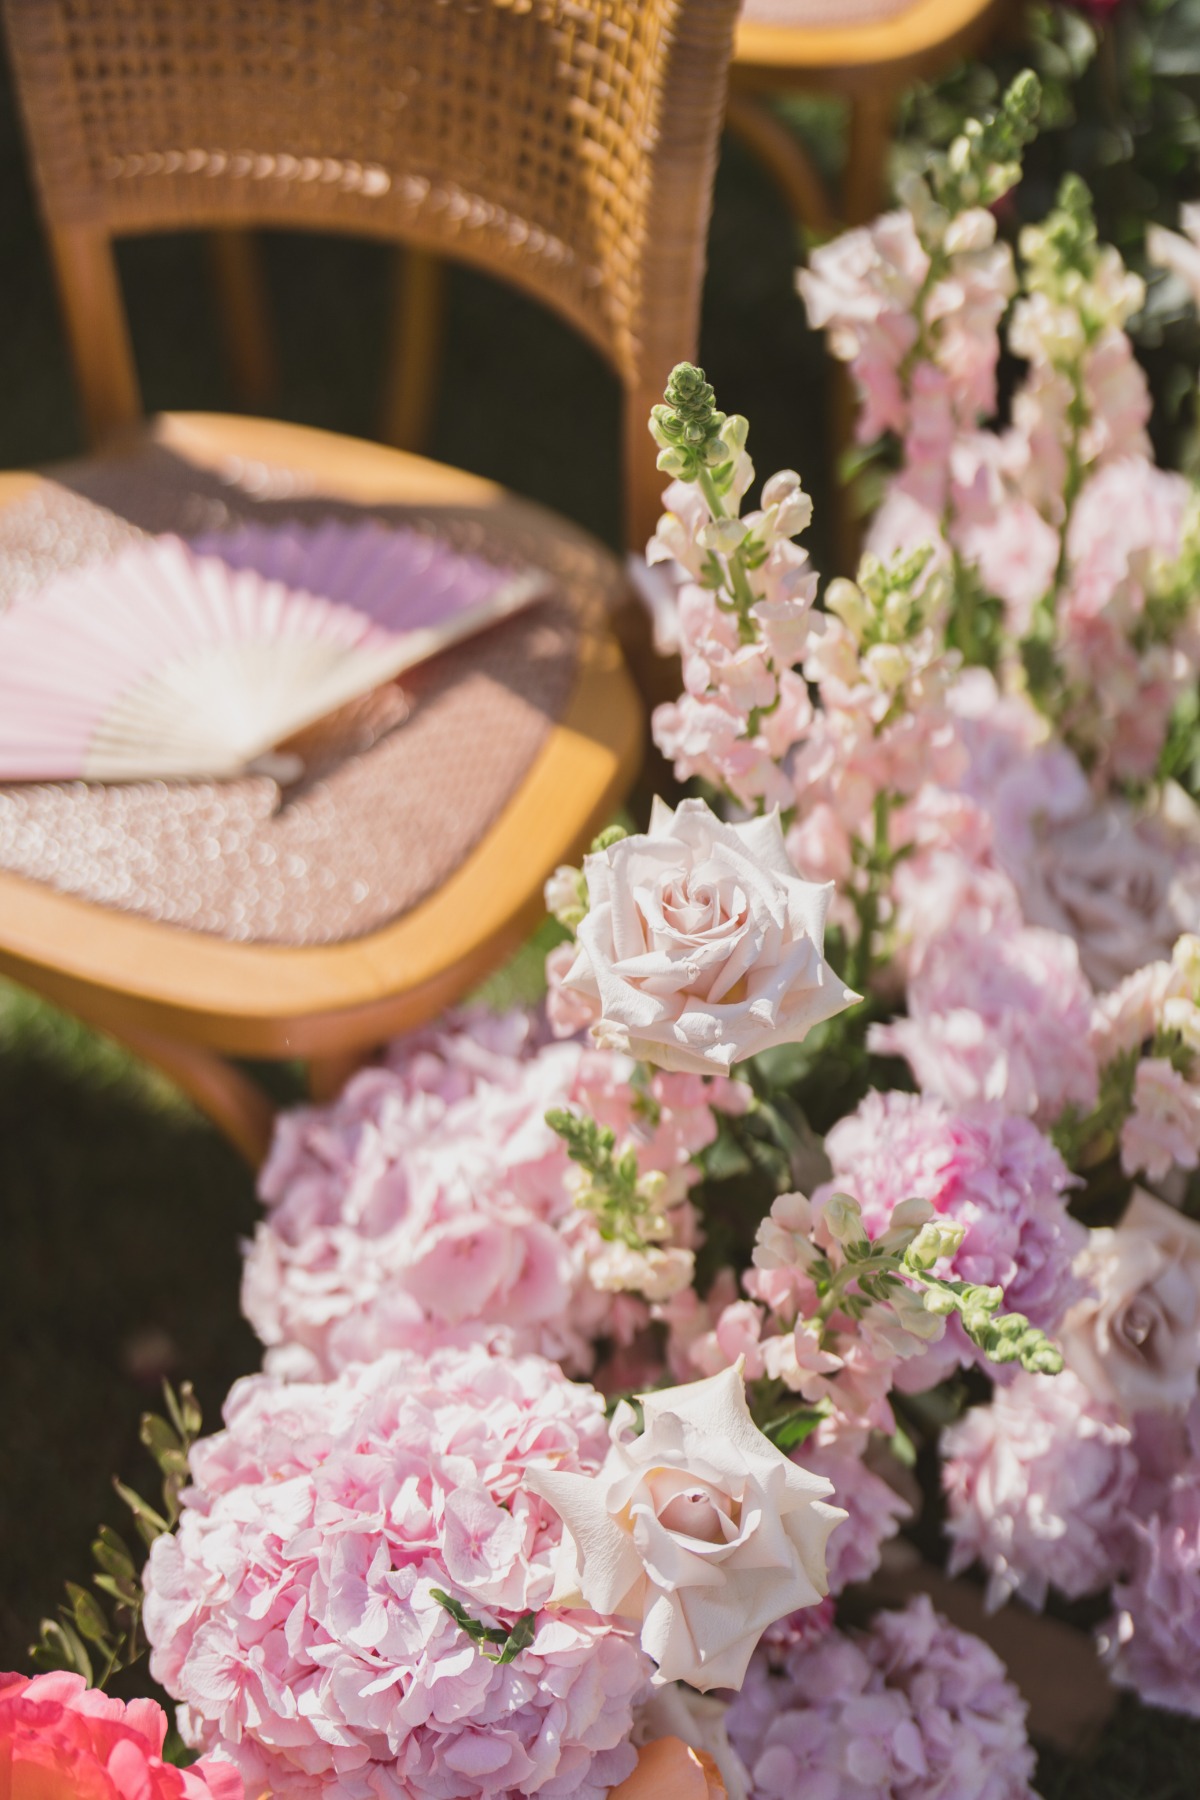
(194, 660)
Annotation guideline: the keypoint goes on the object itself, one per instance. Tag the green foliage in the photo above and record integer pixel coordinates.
(510, 1642)
(96, 1640)
(622, 1202)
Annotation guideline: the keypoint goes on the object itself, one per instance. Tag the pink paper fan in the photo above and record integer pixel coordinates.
(194, 660)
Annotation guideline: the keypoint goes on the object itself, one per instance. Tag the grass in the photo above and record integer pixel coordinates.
(121, 1210)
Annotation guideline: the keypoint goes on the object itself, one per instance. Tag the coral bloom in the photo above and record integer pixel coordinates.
(61, 1740)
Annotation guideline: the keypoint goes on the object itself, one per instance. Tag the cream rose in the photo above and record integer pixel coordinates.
(1136, 1340)
(699, 1528)
(701, 944)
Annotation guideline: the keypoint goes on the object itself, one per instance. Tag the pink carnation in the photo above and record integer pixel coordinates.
(991, 1171)
(293, 1613)
(62, 1740)
(430, 1204)
(912, 1709)
(1037, 1484)
(1003, 1016)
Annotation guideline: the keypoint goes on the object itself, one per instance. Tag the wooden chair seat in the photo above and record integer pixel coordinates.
(412, 866)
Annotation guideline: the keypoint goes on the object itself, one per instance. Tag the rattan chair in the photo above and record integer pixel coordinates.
(564, 145)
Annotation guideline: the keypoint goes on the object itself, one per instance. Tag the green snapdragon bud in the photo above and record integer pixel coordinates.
(687, 425)
(984, 161)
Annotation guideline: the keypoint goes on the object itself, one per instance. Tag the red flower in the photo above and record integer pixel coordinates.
(61, 1740)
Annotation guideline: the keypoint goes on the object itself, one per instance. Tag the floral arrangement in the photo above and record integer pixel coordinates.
(858, 1133)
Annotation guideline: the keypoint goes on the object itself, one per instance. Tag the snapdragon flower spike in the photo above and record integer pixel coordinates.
(566, 892)
(687, 426)
(632, 1212)
(984, 161)
(895, 1271)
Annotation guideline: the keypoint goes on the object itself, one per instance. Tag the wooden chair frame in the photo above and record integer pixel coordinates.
(183, 1000)
(640, 113)
(869, 65)
(566, 146)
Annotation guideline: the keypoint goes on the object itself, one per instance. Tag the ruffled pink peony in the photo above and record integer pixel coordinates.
(912, 1709)
(430, 1203)
(62, 1740)
(991, 1171)
(293, 1612)
(1038, 1483)
(1001, 1016)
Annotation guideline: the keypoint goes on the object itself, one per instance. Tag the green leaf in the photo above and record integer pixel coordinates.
(903, 1448)
(111, 1554)
(150, 1524)
(511, 1643)
(59, 1646)
(159, 1438)
(90, 1621)
(519, 1638)
(790, 1431)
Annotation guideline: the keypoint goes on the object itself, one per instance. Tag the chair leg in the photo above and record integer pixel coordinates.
(414, 359)
(233, 1101)
(784, 158)
(328, 1075)
(244, 308)
(864, 193)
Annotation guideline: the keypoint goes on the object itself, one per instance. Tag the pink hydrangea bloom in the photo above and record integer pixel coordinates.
(1001, 1016)
(430, 1203)
(63, 1740)
(912, 1709)
(1038, 1483)
(1153, 1644)
(876, 1512)
(293, 1612)
(991, 1171)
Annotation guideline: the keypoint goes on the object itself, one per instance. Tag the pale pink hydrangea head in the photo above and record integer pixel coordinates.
(1001, 1016)
(990, 1171)
(430, 1203)
(1038, 1483)
(912, 1709)
(293, 1613)
(874, 1509)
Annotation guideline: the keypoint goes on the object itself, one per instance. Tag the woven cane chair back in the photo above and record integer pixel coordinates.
(565, 145)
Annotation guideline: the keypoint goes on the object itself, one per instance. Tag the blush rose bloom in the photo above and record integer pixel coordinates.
(62, 1740)
(701, 944)
(700, 1528)
(1135, 1342)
